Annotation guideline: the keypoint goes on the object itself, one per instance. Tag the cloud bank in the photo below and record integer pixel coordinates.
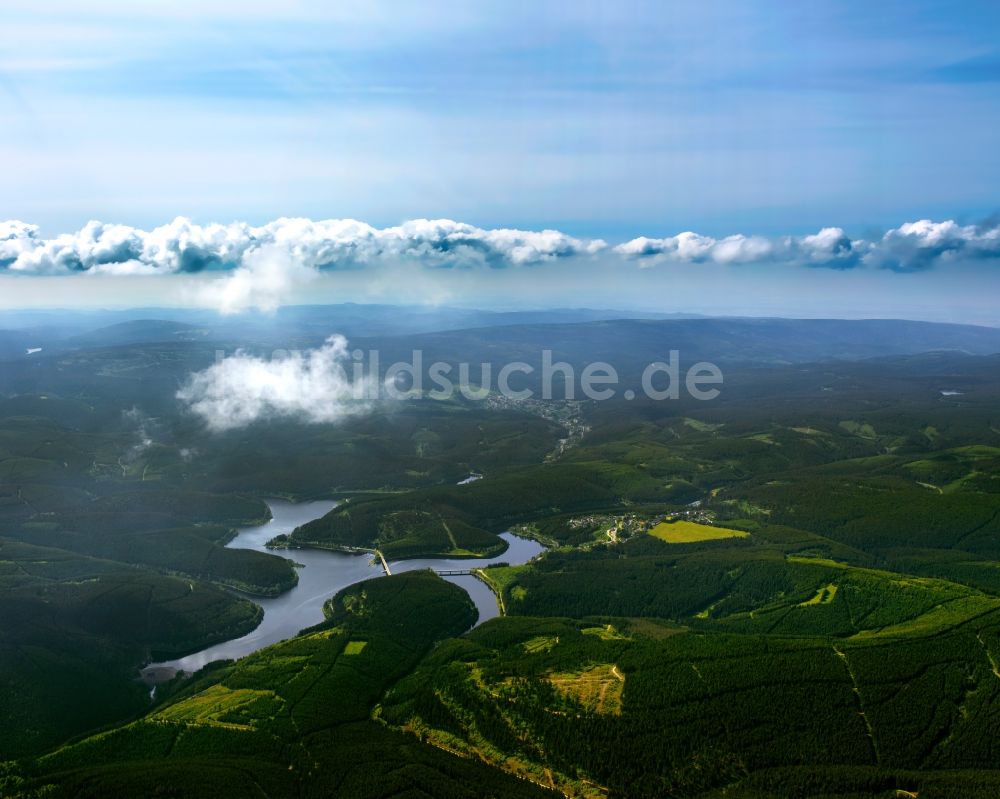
(259, 267)
(242, 389)
(912, 247)
(183, 246)
(831, 247)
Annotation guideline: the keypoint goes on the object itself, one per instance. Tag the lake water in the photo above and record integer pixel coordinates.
(322, 575)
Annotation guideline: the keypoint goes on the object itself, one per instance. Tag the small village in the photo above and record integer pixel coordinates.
(622, 527)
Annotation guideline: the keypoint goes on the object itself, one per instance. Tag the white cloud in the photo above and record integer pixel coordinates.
(144, 437)
(16, 238)
(313, 386)
(183, 246)
(266, 278)
(740, 249)
(831, 247)
(912, 246)
(258, 266)
(922, 244)
(691, 247)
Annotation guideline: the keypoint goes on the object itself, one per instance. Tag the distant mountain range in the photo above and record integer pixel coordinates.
(634, 343)
(455, 335)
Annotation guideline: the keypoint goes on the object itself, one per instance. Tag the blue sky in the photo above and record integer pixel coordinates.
(603, 120)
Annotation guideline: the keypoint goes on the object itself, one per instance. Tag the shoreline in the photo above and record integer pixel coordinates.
(320, 580)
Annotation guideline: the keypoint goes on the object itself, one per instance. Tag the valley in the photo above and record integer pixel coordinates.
(803, 575)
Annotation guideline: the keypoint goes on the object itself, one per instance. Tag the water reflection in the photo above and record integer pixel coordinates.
(323, 573)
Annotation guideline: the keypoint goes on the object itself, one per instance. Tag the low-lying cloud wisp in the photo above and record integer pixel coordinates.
(310, 386)
(265, 279)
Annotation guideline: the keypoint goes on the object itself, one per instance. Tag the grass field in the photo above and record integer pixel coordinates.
(606, 633)
(824, 596)
(541, 643)
(682, 532)
(219, 706)
(598, 688)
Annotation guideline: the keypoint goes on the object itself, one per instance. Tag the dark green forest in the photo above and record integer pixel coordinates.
(844, 641)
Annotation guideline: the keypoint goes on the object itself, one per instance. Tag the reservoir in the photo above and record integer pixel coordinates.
(322, 574)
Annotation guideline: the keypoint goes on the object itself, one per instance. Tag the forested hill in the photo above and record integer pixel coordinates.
(575, 336)
(293, 720)
(636, 341)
